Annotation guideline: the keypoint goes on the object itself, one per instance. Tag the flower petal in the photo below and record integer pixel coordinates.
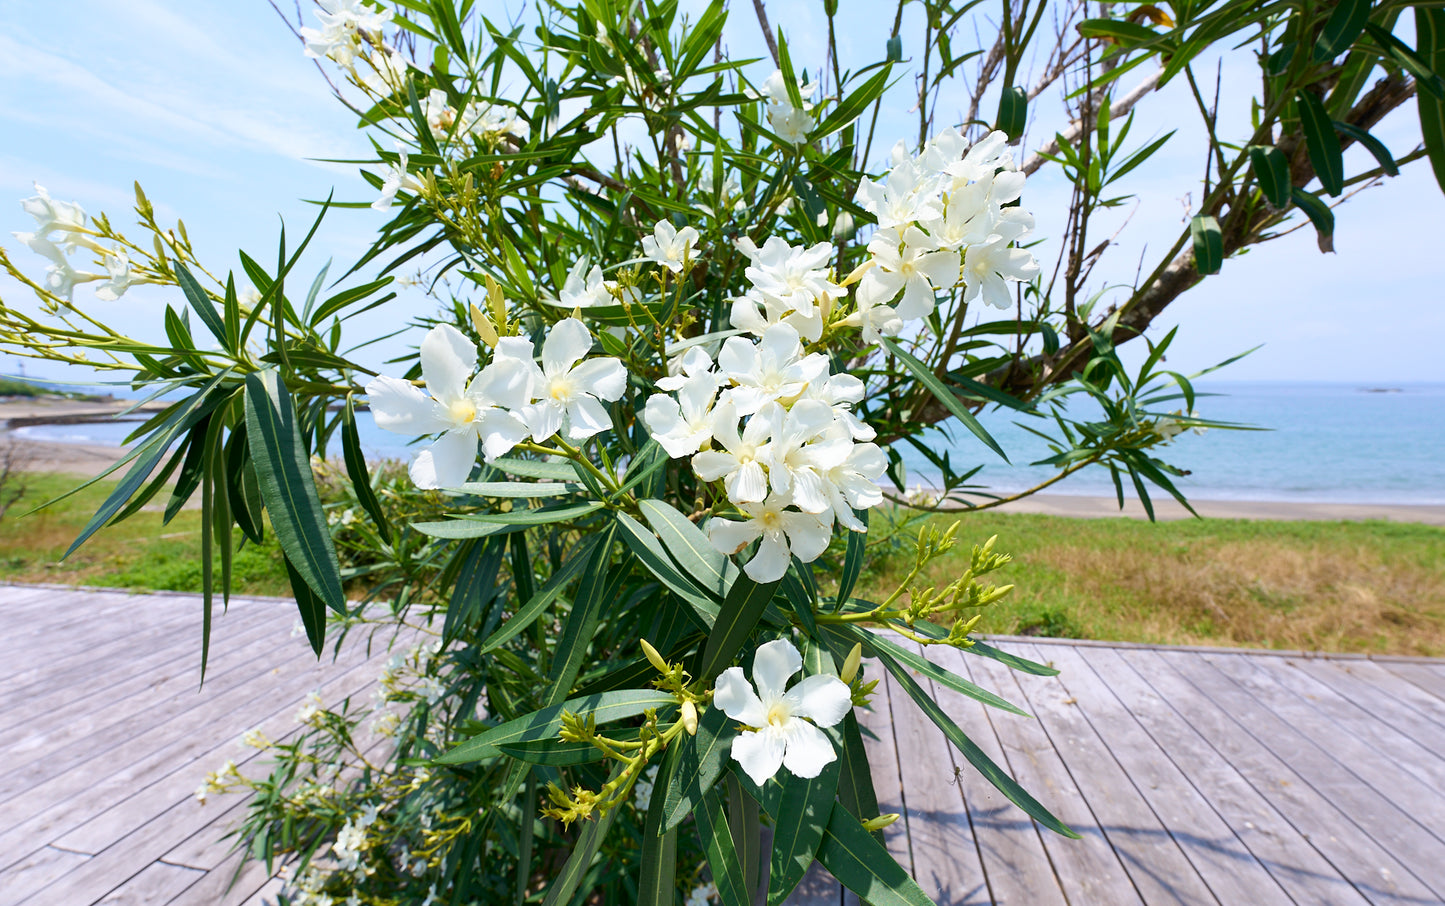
(822, 698)
(604, 378)
(446, 463)
(736, 697)
(448, 359)
(543, 418)
(807, 751)
(749, 484)
(569, 341)
(773, 665)
(586, 417)
(771, 560)
(760, 754)
(506, 382)
(402, 407)
(500, 431)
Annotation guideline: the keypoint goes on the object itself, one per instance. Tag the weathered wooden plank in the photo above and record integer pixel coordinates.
(119, 684)
(62, 635)
(1266, 834)
(1089, 870)
(156, 883)
(1337, 758)
(818, 888)
(1086, 710)
(1429, 677)
(1381, 726)
(230, 883)
(1325, 823)
(946, 862)
(36, 870)
(267, 895)
(1367, 683)
(1009, 844)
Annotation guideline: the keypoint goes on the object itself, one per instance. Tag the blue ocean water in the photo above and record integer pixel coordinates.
(1326, 442)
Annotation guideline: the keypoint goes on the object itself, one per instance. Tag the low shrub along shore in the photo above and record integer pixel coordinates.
(1373, 586)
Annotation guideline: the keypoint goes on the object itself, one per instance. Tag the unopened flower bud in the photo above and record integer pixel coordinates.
(689, 718)
(882, 821)
(653, 657)
(485, 329)
(851, 664)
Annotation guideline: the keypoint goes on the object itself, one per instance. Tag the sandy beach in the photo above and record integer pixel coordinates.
(87, 460)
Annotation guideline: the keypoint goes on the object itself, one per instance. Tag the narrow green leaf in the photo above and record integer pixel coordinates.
(1322, 142)
(1320, 215)
(463, 529)
(877, 643)
(581, 624)
(605, 707)
(853, 557)
(288, 487)
(1118, 30)
(722, 856)
(746, 826)
(1013, 111)
(202, 304)
(976, 756)
(803, 816)
(944, 395)
(650, 554)
(863, 866)
(245, 489)
(1430, 35)
(741, 610)
(312, 608)
(701, 764)
(855, 776)
(1373, 145)
(1208, 244)
(657, 881)
(356, 470)
(190, 476)
(1342, 28)
(848, 109)
(519, 489)
(1272, 171)
(539, 516)
(543, 599)
(552, 752)
(690, 547)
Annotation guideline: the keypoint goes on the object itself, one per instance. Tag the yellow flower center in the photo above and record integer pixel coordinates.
(778, 714)
(771, 521)
(463, 411)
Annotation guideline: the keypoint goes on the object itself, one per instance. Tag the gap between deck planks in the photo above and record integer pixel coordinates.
(1198, 776)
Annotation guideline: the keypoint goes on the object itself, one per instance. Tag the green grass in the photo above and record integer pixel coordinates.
(1334, 586)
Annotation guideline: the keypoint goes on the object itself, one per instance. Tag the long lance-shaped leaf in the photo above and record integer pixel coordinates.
(208, 498)
(976, 756)
(1430, 36)
(690, 547)
(1319, 214)
(746, 826)
(244, 487)
(863, 866)
(983, 649)
(543, 599)
(853, 557)
(190, 476)
(581, 626)
(311, 607)
(202, 305)
(702, 761)
(564, 883)
(803, 816)
(1322, 141)
(1208, 244)
(148, 455)
(876, 643)
(1342, 28)
(722, 855)
(289, 488)
(544, 724)
(855, 777)
(650, 554)
(947, 397)
(657, 883)
(741, 610)
(356, 470)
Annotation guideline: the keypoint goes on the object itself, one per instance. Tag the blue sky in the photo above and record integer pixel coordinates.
(212, 107)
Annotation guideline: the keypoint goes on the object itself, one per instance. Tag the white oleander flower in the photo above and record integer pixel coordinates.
(911, 263)
(738, 464)
(117, 263)
(397, 177)
(796, 277)
(702, 895)
(490, 122)
(841, 391)
(255, 739)
(682, 425)
(64, 218)
(569, 394)
(773, 368)
(789, 123)
(388, 76)
(669, 246)
(311, 705)
(342, 22)
(798, 455)
(785, 534)
(989, 267)
(904, 197)
(782, 735)
(694, 362)
(462, 408)
(440, 115)
(852, 484)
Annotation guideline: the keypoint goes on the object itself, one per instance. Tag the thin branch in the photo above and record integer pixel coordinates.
(768, 32)
(1117, 109)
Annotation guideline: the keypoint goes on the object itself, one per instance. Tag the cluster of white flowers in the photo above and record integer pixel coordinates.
(60, 230)
(255, 739)
(703, 895)
(218, 781)
(801, 460)
(945, 217)
(509, 400)
(351, 842)
(311, 706)
(781, 734)
(788, 122)
(791, 285)
(345, 25)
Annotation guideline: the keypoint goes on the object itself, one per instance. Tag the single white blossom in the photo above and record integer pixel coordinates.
(440, 115)
(570, 394)
(397, 177)
(773, 368)
(669, 246)
(462, 408)
(682, 425)
(737, 464)
(117, 263)
(342, 24)
(702, 895)
(911, 263)
(782, 735)
(785, 534)
(988, 268)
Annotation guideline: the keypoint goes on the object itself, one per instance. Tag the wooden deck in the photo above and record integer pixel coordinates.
(1194, 776)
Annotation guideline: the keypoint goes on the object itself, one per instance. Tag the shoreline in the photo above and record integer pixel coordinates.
(86, 460)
